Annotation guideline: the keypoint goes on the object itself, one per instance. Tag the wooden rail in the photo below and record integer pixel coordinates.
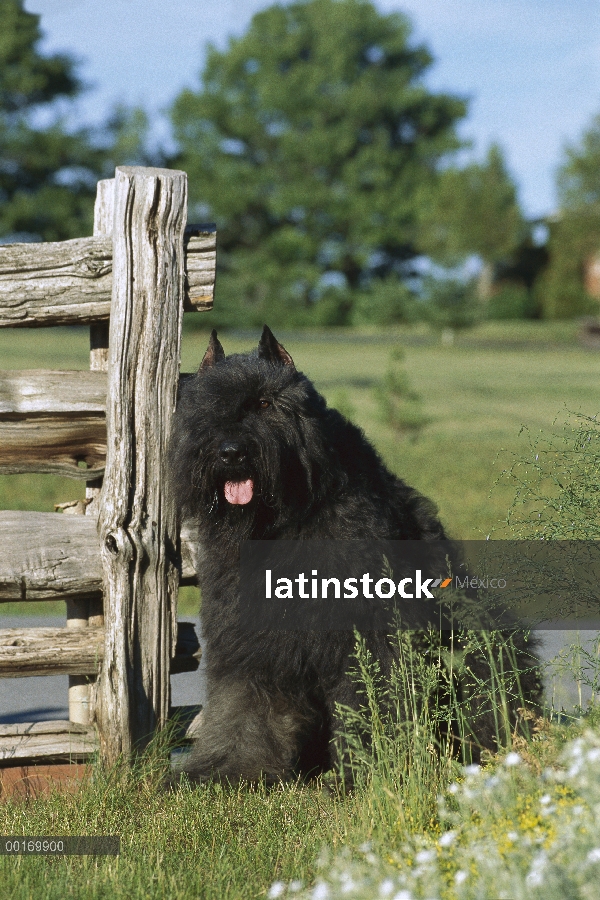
(49, 392)
(53, 423)
(75, 447)
(70, 282)
(49, 556)
(61, 741)
(50, 651)
(48, 741)
(68, 651)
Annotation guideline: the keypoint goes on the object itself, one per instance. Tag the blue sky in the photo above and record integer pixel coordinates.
(530, 67)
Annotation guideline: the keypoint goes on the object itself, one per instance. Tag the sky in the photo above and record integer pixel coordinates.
(531, 68)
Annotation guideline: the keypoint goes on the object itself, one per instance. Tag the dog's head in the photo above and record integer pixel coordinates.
(250, 440)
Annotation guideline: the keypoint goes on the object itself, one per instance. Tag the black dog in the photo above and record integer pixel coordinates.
(258, 455)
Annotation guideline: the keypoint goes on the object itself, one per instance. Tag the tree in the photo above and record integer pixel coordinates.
(579, 175)
(474, 210)
(310, 142)
(48, 174)
(575, 231)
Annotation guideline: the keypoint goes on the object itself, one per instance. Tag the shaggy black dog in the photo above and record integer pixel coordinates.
(258, 455)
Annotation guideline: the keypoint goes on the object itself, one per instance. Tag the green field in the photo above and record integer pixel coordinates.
(477, 394)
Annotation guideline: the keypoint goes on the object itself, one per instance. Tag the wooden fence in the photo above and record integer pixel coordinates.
(114, 558)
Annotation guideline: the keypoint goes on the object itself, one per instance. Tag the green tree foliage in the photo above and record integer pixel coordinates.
(474, 210)
(48, 173)
(575, 235)
(310, 143)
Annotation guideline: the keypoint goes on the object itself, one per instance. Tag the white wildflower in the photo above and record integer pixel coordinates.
(513, 759)
(447, 838)
(535, 877)
(593, 755)
(425, 856)
(276, 889)
(386, 887)
(347, 884)
(512, 836)
(321, 891)
(460, 876)
(594, 855)
(453, 788)
(402, 895)
(472, 769)
(546, 799)
(295, 886)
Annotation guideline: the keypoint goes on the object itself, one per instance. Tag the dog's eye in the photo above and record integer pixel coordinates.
(263, 404)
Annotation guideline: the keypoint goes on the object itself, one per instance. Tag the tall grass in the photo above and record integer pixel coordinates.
(416, 725)
(557, 483)
(557, 497)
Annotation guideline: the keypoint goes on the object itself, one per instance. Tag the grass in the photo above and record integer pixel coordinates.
(234, 843)
(201, 843)
(475, 396)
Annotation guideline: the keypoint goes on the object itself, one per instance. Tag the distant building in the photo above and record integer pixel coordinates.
(591, 275)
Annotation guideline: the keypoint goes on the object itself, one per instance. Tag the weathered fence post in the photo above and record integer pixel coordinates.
(82, 613)
(137, 522)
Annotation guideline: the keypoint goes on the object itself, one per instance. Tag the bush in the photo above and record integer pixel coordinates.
(400, 407)
(450, 303)
(386, 302)
(511, 301)
(560, 289)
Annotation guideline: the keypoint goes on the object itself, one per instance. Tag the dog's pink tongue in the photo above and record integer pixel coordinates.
(239, 492)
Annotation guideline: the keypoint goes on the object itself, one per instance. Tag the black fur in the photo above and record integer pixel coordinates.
(271, 696)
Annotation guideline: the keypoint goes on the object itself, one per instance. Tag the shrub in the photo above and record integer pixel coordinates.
(400, 407)
(450, 303)
(511, 301)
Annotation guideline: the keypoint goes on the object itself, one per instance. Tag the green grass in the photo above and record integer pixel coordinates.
(235, 842)
(201, 843)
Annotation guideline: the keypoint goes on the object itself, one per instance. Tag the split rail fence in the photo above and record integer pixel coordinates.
(117, 561)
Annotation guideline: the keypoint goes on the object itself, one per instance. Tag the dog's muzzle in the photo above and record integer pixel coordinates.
(233, 455)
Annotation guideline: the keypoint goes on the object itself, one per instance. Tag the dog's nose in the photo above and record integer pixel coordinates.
(232, 452)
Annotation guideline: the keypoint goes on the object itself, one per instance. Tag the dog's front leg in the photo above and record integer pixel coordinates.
(247, 734)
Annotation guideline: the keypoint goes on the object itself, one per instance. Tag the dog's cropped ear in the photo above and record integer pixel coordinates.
(214, 352)
(271, 350)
